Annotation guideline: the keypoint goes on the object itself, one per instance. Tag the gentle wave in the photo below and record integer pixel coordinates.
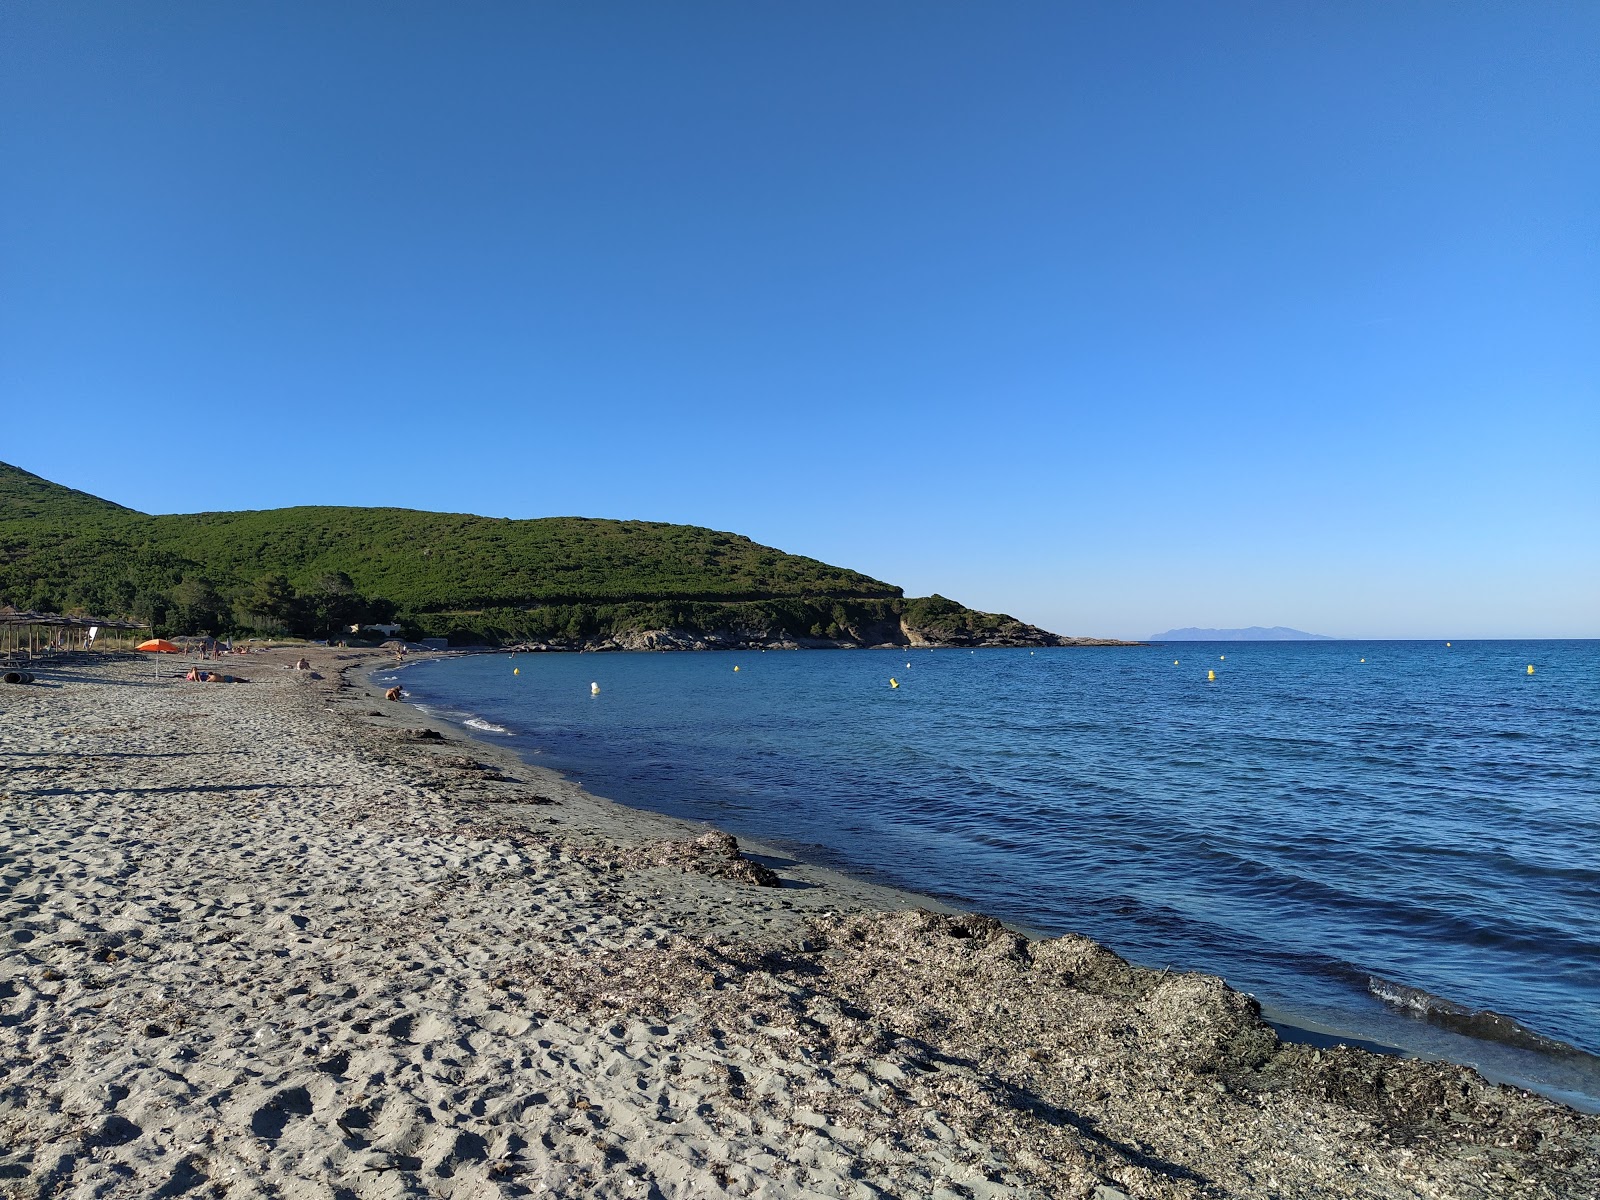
(1478, 1023)
(485, 726)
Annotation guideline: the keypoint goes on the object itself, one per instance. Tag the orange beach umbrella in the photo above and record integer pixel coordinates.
(160, 646)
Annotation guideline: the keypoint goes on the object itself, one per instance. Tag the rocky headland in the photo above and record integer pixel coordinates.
(868, 635)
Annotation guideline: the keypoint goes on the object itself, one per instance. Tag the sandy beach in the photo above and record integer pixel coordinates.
(271, 939)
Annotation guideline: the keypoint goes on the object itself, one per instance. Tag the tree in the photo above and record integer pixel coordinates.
(334, 583)
(197, 608)
(331, 604)
(268, 603)
(151, 608)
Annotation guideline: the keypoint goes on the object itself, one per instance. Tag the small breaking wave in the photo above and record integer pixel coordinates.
(1484, 1024)
(485, 726)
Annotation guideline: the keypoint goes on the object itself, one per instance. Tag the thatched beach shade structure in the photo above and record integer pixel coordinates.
(34, 633)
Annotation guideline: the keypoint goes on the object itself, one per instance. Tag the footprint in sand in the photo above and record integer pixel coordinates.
(271, 1118)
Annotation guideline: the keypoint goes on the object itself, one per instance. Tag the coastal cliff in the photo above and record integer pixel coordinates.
(912, 624)
(900, 635)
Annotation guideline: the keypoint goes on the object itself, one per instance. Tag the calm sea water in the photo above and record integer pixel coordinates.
(1321, 815)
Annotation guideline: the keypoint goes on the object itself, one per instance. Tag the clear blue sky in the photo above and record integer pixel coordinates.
(1113, 316)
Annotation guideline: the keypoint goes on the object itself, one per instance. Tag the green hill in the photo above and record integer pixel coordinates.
(558, 580)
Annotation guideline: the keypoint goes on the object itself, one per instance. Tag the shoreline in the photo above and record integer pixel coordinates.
(609, 813)
(1292, 1024)
(1318, 1030)
(258, 935)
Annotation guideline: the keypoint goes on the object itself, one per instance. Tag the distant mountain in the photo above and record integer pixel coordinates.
(1256, 633)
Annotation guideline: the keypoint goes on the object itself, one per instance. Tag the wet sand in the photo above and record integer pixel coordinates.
(261, 939)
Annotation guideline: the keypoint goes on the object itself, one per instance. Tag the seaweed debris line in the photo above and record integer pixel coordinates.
(416, 965)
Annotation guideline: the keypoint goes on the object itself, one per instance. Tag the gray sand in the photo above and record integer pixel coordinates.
(258, 942)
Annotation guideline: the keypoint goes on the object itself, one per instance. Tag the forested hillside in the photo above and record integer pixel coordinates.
(313, 571)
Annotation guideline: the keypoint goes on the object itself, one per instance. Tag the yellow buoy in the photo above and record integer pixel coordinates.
(1222, 658)
(1211, 676)
(894, 683)
(1174, 662)
(594, 689)
(516, 670)
(1363, 660)
(736, 668)
(1447, 645)
(1530, 668)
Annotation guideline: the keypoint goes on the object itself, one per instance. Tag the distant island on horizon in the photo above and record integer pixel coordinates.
(1255, 633)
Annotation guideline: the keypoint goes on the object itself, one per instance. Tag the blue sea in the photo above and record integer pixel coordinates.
(1324, 824)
